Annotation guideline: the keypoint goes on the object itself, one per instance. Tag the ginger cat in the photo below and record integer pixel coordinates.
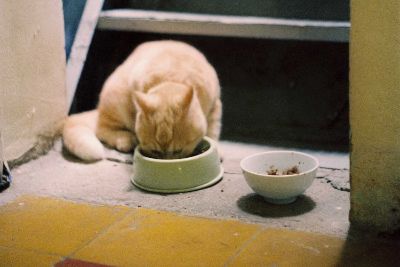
(164, 97)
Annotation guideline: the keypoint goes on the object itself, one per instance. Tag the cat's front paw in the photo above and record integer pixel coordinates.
(125, 143)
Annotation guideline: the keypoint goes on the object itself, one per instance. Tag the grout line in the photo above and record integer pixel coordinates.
(35, 251)
(100, 233)
(244, 246)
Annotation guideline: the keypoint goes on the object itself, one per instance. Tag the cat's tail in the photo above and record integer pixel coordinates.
(79, 136)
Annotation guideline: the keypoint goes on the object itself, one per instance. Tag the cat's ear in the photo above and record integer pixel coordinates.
(187, 98)
(143, 102)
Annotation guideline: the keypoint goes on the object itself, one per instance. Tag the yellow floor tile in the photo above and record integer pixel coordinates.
(42, 231)
(53, 226)
(152, 238)
(276, 247)
(11, 257)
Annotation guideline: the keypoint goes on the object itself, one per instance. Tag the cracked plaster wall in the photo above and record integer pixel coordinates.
(32, 73)
(374, 114)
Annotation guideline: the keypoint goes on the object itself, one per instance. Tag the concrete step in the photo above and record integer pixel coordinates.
(222, 25)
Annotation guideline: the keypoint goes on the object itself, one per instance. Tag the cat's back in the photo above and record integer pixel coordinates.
(166, 56)
(154, 62)
(166, 49)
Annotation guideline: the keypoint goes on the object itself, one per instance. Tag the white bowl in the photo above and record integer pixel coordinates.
(178, 175)
(279, 189)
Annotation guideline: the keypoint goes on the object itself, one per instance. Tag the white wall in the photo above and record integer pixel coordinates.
(32, 72)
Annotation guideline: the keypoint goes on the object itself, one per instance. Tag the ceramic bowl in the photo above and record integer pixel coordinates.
(178, 175)
(263, 173)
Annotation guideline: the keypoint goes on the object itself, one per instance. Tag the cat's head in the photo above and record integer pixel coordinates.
(169, 121)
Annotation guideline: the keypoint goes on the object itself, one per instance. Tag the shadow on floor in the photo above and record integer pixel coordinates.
(255, 204)
(363, 249)
(72, 158)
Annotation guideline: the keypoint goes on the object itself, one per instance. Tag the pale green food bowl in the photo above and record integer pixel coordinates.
(178, 175)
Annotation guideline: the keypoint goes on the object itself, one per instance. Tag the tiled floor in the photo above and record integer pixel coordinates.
(37, 231)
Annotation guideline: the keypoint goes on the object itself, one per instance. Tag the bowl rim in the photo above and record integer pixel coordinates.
(279, 176)
(163, 161)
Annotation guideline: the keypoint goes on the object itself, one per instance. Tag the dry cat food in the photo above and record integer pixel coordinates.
(274, 171)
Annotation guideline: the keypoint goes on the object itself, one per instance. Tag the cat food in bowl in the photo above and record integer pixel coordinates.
(279, 176)
(198, 171)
